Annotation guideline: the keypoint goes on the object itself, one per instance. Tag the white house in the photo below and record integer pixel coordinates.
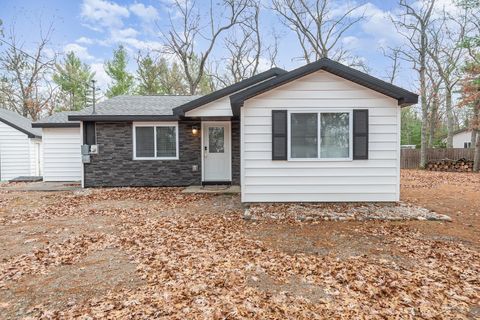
(462, 138)
(20, 147)
(322, 132)
(61, 147)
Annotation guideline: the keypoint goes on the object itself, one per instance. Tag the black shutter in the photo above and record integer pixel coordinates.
(279, 134)
(89, 136)
(360, 134)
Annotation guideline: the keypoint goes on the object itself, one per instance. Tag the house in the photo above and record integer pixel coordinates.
(20, 147)
(462, 138)
(61, 147)
(322, 132)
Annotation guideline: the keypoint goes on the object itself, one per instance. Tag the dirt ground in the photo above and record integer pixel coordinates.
(159, 253)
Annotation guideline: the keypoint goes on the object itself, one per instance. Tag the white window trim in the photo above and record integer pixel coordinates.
(154, 124)
(318, 112)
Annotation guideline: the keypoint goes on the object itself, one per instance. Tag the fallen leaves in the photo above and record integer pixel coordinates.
(200, 262)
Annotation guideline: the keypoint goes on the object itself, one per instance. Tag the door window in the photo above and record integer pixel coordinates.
(216, 140)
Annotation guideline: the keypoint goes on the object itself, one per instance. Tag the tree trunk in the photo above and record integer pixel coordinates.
(474, 127)
(450, 117)
(476, 158)
(433, 120)
(424, 104)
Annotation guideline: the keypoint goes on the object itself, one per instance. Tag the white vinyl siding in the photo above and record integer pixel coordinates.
(61, 154)
(15, 153)
(267, 180)
(217, 108)
(459, 139)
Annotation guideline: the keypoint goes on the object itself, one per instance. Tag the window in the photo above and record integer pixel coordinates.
(467, 145)
(325, 135)
(155, 141)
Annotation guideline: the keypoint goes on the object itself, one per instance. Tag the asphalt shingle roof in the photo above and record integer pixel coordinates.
(122, 106)
(57, 118)
(20, 123)
(139, 105)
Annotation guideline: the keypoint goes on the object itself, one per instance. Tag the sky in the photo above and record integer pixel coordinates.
(93, 28)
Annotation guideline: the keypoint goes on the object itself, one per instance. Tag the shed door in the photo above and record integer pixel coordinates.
(216, 152)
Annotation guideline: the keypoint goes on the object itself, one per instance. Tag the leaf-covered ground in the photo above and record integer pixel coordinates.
(158, 253)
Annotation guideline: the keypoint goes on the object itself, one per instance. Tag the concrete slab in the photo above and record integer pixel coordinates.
(42, 186)
(217, 189)
(27, 179)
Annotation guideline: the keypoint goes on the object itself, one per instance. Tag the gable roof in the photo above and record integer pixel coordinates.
(263, 76)
(20, 123)
(140, 108)
(404, 97)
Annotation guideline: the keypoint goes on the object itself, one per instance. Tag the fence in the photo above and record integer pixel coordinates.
(410, 158)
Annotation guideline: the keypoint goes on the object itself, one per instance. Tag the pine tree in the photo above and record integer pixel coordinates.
(149, 75)
(73, 77)
(123, 81)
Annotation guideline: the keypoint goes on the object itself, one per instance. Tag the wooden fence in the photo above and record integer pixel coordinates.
(410, 158)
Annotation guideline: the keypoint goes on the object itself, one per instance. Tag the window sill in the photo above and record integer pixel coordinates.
(320, 159)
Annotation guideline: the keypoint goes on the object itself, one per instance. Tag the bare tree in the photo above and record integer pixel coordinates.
(28, 88)
(246, 47)
(184, 38)
(393, 54)
(413, 24)
(447, 55)
(433, 101)
(320, 28)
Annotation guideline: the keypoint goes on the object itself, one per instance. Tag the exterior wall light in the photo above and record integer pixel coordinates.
(194, 130)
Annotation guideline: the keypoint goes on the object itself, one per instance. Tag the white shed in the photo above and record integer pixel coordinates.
(20, 147)
(462, 138)
(61, 148)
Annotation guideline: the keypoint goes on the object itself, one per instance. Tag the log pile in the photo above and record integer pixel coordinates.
(460, 165)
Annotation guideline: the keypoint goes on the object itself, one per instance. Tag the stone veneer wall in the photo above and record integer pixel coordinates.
(114, 166)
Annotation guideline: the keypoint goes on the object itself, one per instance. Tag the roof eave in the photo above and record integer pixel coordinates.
(121, 118)
(55, 125)
(29, 134)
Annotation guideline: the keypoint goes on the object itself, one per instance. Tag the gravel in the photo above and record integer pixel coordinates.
(306, 212)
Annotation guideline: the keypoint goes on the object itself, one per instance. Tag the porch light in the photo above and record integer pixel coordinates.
(194, 130)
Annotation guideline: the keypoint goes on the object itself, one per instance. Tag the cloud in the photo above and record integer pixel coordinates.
(119, 34)
(84, 40)
(79, 51)
(105, 13)
(146, 13)
(103, 79)
(350, 42)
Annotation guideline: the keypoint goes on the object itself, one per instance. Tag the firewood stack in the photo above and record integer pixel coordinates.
(460, 165)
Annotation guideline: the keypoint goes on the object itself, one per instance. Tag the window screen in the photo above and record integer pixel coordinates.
(334, 135)
(145, 141)
(304, 135)
(166, 141)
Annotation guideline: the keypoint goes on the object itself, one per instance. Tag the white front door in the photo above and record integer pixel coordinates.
(216, 151)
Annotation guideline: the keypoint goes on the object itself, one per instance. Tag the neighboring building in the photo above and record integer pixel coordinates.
(61, 147)
(322, 132)
(462, 138)
(20, 147)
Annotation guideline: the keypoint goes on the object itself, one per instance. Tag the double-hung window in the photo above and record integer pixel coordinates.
(155, 141)
(320, 135)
